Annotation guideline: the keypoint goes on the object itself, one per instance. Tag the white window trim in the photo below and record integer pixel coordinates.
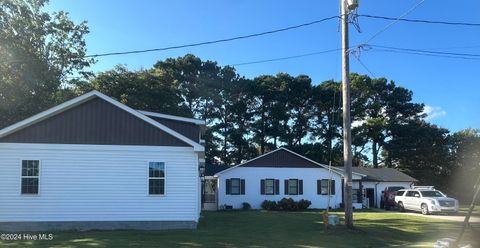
(164, 178)
(39, 178)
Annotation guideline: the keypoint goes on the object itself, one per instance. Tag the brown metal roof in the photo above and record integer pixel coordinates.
(96, 122)
(281, 158)
(189, 130)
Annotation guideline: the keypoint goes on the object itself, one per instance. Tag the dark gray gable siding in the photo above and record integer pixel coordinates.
(95, 122)
(281, 158)
(189, 130)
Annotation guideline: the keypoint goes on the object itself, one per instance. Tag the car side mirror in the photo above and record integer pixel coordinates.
(383, 191)
(417, 195)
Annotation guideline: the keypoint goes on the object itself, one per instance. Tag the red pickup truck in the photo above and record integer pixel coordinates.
(388, 197)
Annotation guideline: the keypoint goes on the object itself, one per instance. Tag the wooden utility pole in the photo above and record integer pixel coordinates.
(470, 210)
(347, 139)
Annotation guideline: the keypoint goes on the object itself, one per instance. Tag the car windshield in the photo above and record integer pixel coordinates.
(432, 193)
(395, 188)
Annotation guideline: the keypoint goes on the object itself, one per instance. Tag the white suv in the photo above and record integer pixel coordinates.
(428, 200)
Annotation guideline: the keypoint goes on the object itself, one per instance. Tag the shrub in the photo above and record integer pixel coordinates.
(246, 206)
(269, 205)
(303, 204)
(287, 204)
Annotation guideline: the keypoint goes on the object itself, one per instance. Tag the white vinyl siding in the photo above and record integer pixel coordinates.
(255, 175)
(99, 183)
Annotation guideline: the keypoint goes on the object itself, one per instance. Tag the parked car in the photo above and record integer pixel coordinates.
(425, 199)
(388, 197)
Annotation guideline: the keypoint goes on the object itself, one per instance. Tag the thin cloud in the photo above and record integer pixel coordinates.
(433, 112)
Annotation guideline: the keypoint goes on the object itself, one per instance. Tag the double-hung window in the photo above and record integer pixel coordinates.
(235, 186)
(293, 187)
(156, 178)
(323, 186)
(269, 186)
(30, 176)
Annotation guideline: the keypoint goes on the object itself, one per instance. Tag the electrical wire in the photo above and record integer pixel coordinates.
(393, 23)
(421, 21)
(427, 51)
(364, 66)
(425, 54)
(213, 41)
(285, 58)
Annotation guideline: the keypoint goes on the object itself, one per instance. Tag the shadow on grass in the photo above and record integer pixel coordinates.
(270, 229)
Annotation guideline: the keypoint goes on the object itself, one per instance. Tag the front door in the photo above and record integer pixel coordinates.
(370, 192)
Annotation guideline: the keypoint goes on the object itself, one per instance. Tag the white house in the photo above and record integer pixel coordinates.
(375, 180)
(94, 163)
(276, 175)
(286, 174)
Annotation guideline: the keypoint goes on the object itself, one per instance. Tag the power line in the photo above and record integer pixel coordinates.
(425, 54)
(364, 66)
(421, 21)
(285, 58)
(393, 23)
(214, 41)
(427, 51)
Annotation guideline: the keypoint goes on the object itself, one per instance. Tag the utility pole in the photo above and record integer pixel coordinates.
(347, 133)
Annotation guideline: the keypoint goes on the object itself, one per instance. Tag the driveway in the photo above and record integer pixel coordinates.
(460, 218)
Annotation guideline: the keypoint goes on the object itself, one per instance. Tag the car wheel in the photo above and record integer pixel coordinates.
(424, 209)
(401, 207)
(387, 207)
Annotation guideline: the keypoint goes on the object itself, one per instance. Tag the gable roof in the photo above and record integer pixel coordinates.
(173, 117)
(84, 98)
(281, 158)
(383, 174)
(212, 169)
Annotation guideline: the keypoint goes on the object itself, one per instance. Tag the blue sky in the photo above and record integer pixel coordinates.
(448, 86)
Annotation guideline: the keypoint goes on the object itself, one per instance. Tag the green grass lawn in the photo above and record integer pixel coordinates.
(274, 229)
(464, 210)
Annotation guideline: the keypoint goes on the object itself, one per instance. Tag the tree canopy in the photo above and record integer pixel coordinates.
(245, 117)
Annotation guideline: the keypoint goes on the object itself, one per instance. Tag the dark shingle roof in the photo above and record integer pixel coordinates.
(384, 174)
(281, 158)
(212, 169)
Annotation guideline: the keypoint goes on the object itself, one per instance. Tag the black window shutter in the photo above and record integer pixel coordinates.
(286, 187)
(332, 187)
(277, 187)
(319, 187)
(227, 187)
(300, 187)
(242, 187)
(262, 186)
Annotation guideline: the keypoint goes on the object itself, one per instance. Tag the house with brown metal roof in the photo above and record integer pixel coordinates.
(95, 163)
(285, 174)
(278, 174)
